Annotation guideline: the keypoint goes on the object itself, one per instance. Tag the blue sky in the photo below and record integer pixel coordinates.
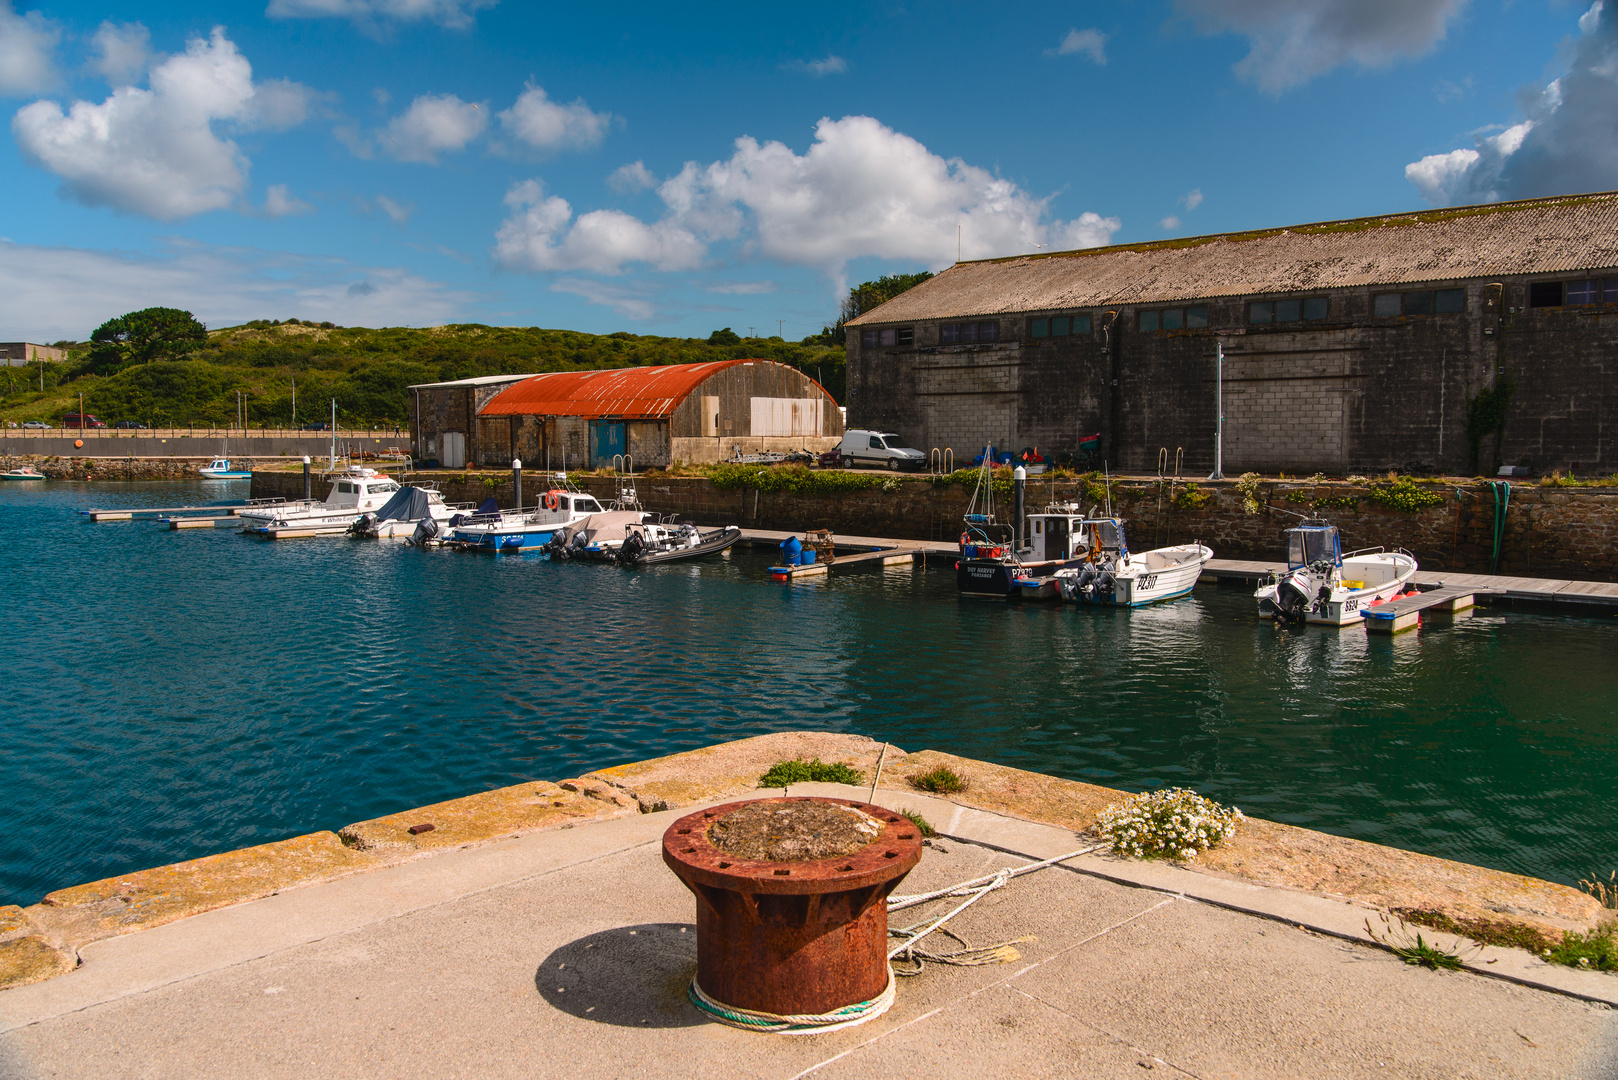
(676, 168)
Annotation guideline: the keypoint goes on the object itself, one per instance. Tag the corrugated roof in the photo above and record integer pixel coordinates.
(1533, 236)
(479, 380)
(640, 393)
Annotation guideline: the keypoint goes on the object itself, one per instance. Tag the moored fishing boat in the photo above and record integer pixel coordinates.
(515, 530)
(1321, 585)
(22, 472)
(219, 469)
(1109, 573)
(649, 543)
(416, 511)
(352, 493)
(988, 567)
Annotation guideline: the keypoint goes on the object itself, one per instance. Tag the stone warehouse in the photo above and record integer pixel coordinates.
(653, 415)
(1445, 341)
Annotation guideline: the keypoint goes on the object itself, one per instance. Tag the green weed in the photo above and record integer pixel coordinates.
(798, 771)
(940, 781)
(920, 823)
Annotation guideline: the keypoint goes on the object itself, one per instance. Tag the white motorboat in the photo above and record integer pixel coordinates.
(514, 530)
(1109, 573)
(416, 512)
(219, 469)
(1323, 586)
(647, 544)
(22, 472)
(598, 536)
(352, 493)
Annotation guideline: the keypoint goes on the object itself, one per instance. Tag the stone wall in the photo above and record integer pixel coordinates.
(1351, 393)
(165, 468)
(98, 445)
(1550, 531)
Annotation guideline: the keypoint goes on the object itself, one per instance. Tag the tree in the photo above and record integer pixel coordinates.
(863, 298)
(155, 333)
(727, 336)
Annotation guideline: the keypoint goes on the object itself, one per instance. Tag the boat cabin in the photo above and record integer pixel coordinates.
(1313, 542)
(365, 488)
(1057, 535)
(569, 504)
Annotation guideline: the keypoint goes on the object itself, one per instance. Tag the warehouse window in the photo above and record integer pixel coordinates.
(967, 333)
(1304, 309)
(1172, 318)
(1442, 302)
(1545, 294)
(1584, 292)
(868, 338)
(1449, 301)
(907, 335)
(1059, 326)
(872, 339)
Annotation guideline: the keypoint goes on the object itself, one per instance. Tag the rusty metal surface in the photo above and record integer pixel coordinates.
(1533, 236)
(807, 940)
(640, 393)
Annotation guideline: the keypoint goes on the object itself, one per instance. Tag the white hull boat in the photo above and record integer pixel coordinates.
(219, 469)
(23, 472)
(1109, 573)
(1327, 588)
(511, 531)
(416, 512)
(355, 492)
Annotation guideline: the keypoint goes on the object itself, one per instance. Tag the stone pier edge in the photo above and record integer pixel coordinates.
(42, 941)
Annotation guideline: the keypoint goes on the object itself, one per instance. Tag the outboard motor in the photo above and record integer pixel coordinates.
(556, 546)
(426, 531)
(364, 526)
(630, 550)
(580, 542)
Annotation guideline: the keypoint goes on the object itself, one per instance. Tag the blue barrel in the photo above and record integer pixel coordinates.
(790, 549)
(806, 557)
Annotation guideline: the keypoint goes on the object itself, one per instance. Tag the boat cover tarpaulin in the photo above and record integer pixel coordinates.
(407, 504)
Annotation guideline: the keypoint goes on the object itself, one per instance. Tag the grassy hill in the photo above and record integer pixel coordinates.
(366, 370)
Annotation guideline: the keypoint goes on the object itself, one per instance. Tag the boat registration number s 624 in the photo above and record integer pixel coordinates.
(1351, 605)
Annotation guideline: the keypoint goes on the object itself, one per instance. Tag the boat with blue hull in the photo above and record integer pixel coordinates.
(511, 531)
(219, 469)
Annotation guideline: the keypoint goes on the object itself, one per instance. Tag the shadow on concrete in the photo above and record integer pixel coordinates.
(632, 976)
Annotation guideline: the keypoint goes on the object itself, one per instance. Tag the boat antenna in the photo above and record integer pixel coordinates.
(1107, 472)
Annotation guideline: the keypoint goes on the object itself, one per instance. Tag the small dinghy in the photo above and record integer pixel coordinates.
(23, 472)
(1323, 586)
(1109, 573)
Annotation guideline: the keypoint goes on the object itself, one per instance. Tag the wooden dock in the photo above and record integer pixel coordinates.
(1397, 616)
(852, 552)
(199, 522)
(1556, 591)
(159, 512)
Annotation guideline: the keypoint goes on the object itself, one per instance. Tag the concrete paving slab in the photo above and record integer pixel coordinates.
(569, 951)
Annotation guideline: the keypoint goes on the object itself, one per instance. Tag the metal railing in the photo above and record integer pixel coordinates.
(398, 436)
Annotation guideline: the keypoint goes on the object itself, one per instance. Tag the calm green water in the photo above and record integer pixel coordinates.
(173, 694)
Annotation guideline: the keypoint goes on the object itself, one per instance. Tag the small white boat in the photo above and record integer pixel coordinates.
(1323, 586)
(514, 530)
(219, 469)
(416, 512)
(1109, 573)
(353, 493)
(23, 472)
(598, 536)
(647, 544)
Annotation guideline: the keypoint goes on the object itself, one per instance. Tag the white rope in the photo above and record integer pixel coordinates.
(999, 880)
(899, 903)
(795, 1023)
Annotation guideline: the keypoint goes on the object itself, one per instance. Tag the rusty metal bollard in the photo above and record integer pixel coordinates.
(798, 931)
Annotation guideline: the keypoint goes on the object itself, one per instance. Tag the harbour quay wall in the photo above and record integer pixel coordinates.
(1549, 530)
(79, 467)
(99, 443)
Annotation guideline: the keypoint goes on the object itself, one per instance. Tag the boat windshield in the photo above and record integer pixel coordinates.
(1305, 546)
(1107, 533)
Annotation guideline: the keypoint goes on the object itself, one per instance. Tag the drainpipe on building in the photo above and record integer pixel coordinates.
(1219, 412)
(1110, 347)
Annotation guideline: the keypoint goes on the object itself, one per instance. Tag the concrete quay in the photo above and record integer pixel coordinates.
(532, 935)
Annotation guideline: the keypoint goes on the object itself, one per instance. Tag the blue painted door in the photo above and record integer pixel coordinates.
(606, 439)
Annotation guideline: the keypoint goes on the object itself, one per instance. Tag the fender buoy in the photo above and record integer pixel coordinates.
(78, 444)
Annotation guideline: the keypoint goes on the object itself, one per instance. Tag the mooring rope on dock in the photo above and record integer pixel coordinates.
(795, 1023)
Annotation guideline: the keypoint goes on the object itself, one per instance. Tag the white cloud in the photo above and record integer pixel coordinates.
(1564, 144)
(280, 202)
(542, 124)
(1091, 43)
(1170, 223)
(742, 288)
(1293, 41)
(541, 235)
(279, 104)
(629, 301)
(62, 292)
(397, 212)
(453, 14)
(861, 190)
(152, 151)
(632, 177)
(434, 124)
(826, 65)
(27, 52)
(122, 51)
(1192, 199)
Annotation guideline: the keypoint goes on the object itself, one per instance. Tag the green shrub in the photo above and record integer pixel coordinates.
(940, 781)
(921, 823)
(1247, 487)
(796, 479)
(1595, 951)
(1485, 931)
(1191, 498)
(1403, 495)
(798, 771)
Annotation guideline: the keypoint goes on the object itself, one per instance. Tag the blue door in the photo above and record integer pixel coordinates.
(606, 439)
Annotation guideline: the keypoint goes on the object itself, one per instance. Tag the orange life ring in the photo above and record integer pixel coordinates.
(552, 502)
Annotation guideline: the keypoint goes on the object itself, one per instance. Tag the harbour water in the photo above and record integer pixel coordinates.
(169, 694)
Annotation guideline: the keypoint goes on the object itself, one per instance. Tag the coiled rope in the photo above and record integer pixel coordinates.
(850, 1015)
(794, 1023)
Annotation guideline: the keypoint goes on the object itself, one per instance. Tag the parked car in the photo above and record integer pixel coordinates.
(313, 427)
(879, 448)
(36, 425)
(81, 421)
(130, 425)
(830, 459)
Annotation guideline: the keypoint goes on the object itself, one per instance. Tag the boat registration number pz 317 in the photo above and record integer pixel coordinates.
(1145, 582)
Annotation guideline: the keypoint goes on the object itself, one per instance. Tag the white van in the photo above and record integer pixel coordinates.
(879, 449)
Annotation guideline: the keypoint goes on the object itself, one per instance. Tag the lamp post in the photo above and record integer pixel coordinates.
(1219, 412)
